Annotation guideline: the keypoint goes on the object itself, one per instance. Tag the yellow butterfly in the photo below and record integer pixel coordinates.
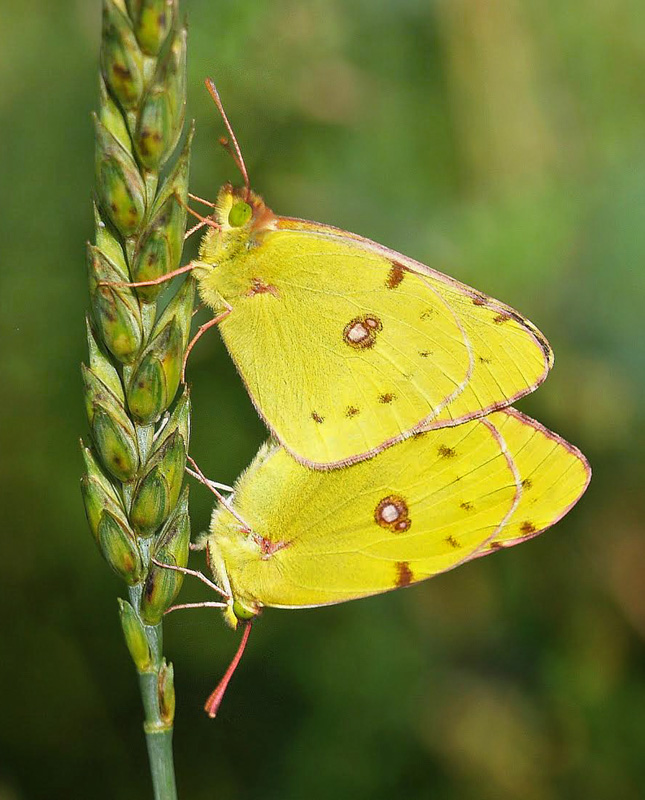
(293, 537)
(347, 347)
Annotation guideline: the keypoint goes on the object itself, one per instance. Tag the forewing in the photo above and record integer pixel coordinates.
(315, 537)
(346, 347)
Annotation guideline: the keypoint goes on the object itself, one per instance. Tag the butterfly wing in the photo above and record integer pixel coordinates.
(317, 537)
(420, 508)
(554, 474)
(346, 347)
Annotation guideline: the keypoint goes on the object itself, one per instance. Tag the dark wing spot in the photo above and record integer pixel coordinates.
(466, 506)
(479, 300)
(500, 318)
(484, 360)
(404, 576)
(267, 547)
(446, 452)
(527, 483)
(352, 411)
(528, 527)
(427, 313)
(495, 546)
(452, 542)
(258, 286)
(360, 333)
(316, 417)
(386, 398)
(395, 276)
(392, 513)
(425, 353)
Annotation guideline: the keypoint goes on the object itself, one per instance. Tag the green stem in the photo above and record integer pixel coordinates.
(161, 767)
(158, 733)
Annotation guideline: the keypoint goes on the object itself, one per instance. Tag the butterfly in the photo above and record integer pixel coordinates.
(293, 537)
(347, 347)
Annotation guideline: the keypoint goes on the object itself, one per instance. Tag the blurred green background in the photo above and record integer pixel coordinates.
(500, 141)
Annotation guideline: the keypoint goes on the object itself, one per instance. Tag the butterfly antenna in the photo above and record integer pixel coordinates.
(213, 703)
(236, 153)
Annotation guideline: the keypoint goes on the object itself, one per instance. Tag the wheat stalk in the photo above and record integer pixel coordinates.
(133, 487)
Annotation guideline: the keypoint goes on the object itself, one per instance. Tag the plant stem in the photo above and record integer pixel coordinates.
(158, 733)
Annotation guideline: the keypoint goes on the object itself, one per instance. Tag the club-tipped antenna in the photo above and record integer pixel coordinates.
(213, 703)
(236, 153)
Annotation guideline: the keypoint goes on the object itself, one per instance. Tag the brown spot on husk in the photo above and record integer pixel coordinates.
(120, 71)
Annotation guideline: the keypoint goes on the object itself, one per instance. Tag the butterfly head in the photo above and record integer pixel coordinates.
(241, 217)
(226, 545)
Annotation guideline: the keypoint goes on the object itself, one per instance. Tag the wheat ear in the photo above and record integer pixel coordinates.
(133, 487)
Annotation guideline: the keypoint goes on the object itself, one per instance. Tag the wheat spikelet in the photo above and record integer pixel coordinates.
(133, 487)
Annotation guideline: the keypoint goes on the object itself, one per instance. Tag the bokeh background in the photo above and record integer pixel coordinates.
(500, 141)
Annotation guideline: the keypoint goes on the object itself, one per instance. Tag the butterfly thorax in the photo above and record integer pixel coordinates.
(227, 253)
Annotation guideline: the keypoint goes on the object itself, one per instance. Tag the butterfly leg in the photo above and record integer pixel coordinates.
(194, 573)
(205, 604)
(204, 220)
(194, 229)
(223, 486)
(200, 331)
(201, 200)
(212, 485)
(154, 282)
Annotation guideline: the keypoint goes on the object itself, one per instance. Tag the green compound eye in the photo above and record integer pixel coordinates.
(240, 214)
(242, 612)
